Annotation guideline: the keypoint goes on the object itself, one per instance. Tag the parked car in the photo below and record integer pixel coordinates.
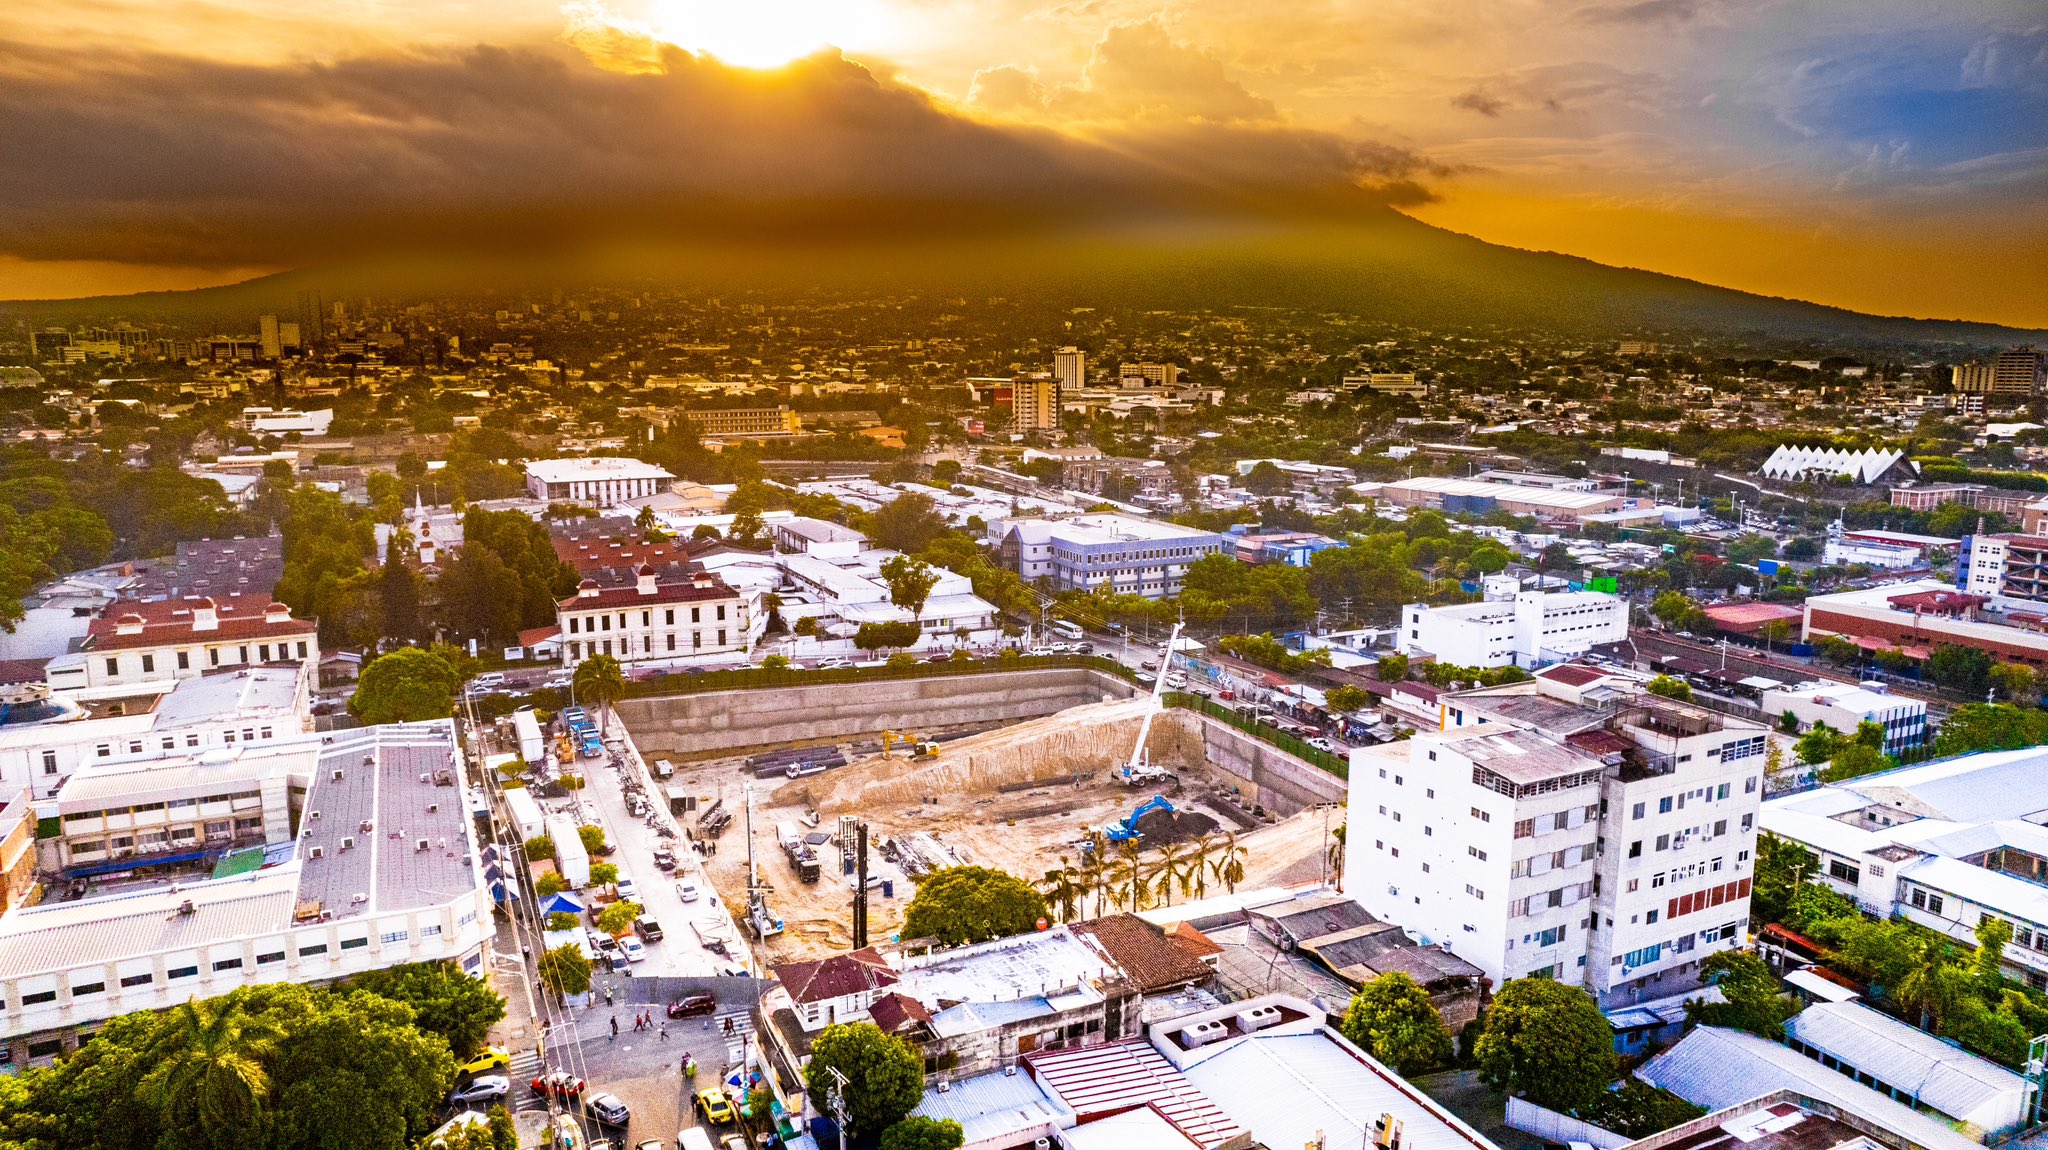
(833, 664)
(664, 860)
(648, 928)
(1041, 651)
(691, 1005)
(686, 890)
(608, 1108)
(633, 949)
(620, 962)
(485, 1089)
(939, 657)
(1322, 744)
(558, 1084)
(626, 889)
(1145, 678)
(715, 1105)
(491, 1058)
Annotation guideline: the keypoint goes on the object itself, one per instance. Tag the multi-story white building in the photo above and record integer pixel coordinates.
(601, 481)
(652, 621)
(1143, 557)
(1529, 630)
(42, 744)
(1070, 367)
(1943, 844)
(1843, 706)
(364, 859)
(159, 641)
(1572, 826)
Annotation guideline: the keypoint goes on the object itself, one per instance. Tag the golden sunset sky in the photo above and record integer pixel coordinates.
(1885, 156)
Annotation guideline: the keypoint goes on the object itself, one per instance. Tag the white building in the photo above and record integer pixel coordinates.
(42, 745)
(1533, 628)
(1842, 706)
(601, 481)
(1489, 837)
(655, 622)
(161, 640)
(1144, 557)
(1865, 467)
(1941, 844)
(380, 870)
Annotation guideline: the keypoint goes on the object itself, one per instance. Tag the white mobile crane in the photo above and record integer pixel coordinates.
(1139, 771)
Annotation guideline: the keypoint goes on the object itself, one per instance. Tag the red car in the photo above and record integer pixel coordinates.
(560, 1084)
(690, 1004)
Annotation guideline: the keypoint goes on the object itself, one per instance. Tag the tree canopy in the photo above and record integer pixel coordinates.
(920, 1133)
(406, 686)
(963, 904)
(884, 1075)
(1392, 1019)
(1546, 1042)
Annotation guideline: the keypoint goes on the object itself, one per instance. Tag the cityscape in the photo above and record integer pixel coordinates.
(682, 578)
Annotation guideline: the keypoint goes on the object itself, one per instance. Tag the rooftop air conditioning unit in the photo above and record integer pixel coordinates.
(348, 842)
(312, 814)
(425, 776)
(1202, 1033)
(432, 807)
(1258, 1018)
(316, 852)
(337, 774)
(424, 844)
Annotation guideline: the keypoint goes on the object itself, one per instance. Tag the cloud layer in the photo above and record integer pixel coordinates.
(178, 160)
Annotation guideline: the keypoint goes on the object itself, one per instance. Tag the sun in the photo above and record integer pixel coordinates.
(763, 33)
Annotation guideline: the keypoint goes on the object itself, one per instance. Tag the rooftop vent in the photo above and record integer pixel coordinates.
(348, 842)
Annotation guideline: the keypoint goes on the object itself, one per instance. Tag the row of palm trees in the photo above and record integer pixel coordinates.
(1124, 876)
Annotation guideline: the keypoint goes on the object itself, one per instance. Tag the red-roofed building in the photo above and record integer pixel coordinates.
(842, 988)
(1751, 618)
(183, 638)
(650, 621)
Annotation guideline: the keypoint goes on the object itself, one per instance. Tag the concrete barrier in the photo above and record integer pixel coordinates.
(714, 723)
(1276, 780)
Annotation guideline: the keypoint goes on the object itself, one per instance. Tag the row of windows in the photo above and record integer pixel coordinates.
(591, 624)
(37, 998)
(264, 652)
(165, 742)
(625, 646)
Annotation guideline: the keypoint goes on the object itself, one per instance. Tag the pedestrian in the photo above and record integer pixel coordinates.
(615, 1028)
(663, 1034)
(607, 995)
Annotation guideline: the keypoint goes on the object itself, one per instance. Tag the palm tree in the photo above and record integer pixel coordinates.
(1199, 850)
(645, 521)
(1094, 864)
(599, 683)
(1170, 870)
(209, 1074)
(1229, 864)
(1062, 891)
(1130, 869)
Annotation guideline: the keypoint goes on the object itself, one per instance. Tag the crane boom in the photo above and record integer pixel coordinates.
(1158, 696)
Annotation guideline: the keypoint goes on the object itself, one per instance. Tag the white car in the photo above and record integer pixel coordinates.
(484, 1089)
(608, 1108)
(686, 890)
(631, 948)
(1322, 744)
(832, 664)
(627, 890)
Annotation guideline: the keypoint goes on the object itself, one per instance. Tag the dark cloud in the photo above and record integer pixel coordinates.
(177, 160)
(1478, 101)
(1643, 12)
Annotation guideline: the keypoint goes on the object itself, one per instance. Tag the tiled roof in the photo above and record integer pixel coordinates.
(170, 621)
(1572, 674)
(1193, 941)
(897, 1013)
(1143, 952)
(836, 977)
(631, 596)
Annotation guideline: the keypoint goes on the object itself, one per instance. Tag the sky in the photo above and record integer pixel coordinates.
(1880, 155)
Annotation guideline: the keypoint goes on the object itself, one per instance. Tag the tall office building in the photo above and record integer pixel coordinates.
(1035, 405)
(1148, 374)
(288, 336)
(2014, 371)
(312, 319)
(273, 345)
(1070, 367)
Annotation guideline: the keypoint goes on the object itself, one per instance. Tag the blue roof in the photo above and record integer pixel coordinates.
(992, 1106)
(972, 1017)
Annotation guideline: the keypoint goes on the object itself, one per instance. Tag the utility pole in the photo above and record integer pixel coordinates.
(860, 890)
(835, 1101)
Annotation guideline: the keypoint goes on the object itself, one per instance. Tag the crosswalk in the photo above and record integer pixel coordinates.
(525, 1066)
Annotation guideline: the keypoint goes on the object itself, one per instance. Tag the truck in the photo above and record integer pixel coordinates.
(570, 857)
(526, 725)
(526, 817)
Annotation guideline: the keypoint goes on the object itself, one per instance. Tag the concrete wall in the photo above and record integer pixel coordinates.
(1277, 780)
(722, 722)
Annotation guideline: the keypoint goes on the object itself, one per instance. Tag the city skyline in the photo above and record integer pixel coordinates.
(1881, 159)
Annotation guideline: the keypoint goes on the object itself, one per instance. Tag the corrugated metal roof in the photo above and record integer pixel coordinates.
(1119, 1075)
(989, 1106)
(58, 936)
(1911, 1061)
(1718, 1068)
(1286, 1088)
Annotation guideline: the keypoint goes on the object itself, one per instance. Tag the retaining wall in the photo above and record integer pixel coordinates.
(715, 723)
(1277, 780)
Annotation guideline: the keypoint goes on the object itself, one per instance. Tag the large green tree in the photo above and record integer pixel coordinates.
(210, 1078)
(1546, 1042)
(598, 683)
(1991, 727)
(908, 523)
(565, 969)
(884, 1075)
(910, 582)
(444, 1001)
(920, 1133)
(1393, 1019)
(405, 686)
(964, 904)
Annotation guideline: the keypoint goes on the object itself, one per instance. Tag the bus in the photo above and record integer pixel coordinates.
(1068, 630)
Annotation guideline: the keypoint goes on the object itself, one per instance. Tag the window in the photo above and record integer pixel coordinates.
(354, 943)
(1631, 888)
(184, 661)
(143, 979)
(1650, 917)
(1664, 805)
(266, 959)
(149, 664)
(312, 948)
(1561, 821)
(37, 998)
(114, 666)
(1475, 852)
(1525, 828)
(1663, 842)
(1636, 811)
(1474, 891)
(1656, 880)
(1635, 849)
(1933, 903)
(1720, 827)
(1841, 870)
(1522, 868)
(49, 762)
(181, 972)
(228, 964)
(392, 936)
(1919, 898)
(1482, 816)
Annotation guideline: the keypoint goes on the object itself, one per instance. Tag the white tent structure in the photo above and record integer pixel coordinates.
(1865, 467)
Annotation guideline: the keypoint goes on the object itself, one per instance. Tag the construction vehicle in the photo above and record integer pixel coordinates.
(918, 746)
(1139, 771)
(1126, 829)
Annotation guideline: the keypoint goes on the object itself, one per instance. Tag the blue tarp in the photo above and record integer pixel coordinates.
(563, 902)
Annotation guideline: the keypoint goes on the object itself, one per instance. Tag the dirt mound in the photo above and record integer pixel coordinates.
(1159, 828)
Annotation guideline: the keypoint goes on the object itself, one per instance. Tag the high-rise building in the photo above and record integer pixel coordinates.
(273, 345)
(312, 319)
(1070, 367)
(1573, 826)
(2014, 371)
(1035, 405)
(288, 336)
(1148, 374)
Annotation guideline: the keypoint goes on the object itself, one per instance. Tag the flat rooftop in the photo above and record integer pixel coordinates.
(1046, 964)
(248, 692)
(396, 792)
(1523, 756)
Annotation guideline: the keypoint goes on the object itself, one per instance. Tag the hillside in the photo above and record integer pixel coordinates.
(1390, 267)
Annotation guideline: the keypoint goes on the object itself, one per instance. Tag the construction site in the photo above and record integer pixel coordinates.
(1020, 796)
